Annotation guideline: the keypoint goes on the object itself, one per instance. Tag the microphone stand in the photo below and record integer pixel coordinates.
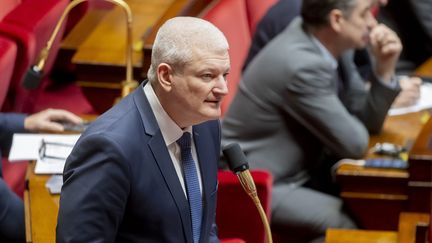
(249, 187)
(127, 85)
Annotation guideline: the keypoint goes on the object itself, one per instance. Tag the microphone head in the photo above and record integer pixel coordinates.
(235, 157)
(32, 78)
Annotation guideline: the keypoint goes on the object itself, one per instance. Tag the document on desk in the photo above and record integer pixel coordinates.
(425, 102)
(49, 150)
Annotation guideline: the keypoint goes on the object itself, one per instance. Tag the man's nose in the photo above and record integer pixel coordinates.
(222, 86)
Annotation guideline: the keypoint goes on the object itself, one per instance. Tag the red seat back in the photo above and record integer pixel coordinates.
(256, 10)
(7, 6)
(231, 18)
(8, 52)
(30, 25)
(236, 214)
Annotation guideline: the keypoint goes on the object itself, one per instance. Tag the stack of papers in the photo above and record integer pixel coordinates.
(52, 160)
(425, 102)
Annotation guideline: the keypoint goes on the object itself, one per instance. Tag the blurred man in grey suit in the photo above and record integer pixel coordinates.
(291, 109)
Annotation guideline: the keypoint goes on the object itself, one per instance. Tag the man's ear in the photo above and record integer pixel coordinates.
(165, 76)
(336, 19)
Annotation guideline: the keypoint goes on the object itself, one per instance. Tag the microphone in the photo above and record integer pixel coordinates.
(34, 75)
(238, 164)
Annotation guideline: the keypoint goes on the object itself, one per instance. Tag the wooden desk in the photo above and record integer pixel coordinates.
(41, 208)
(375, 197)
(360, 236)
(98, 46)
(425, 69)
(408, 223)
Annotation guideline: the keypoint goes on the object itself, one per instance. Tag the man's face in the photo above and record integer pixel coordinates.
(357, 27)
(197, 92)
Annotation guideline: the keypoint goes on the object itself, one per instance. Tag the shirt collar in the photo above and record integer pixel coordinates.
(325, 53)
(171, 132)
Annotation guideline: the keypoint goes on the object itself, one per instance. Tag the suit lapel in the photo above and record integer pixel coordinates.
(161, 156)
(163, 160)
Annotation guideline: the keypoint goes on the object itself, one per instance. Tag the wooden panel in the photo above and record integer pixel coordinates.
(43, 208)
(377, 196)
(425, 69)
(106, 44)
(177, 8)
(360, 236)
(27, 216)
(407, 226)
(83, 28)
(97, 46)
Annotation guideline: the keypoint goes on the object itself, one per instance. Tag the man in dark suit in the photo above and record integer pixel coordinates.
(289, 112)
(11, 206)
(126, 180)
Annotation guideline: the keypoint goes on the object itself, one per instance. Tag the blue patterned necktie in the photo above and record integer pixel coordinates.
(192, 184)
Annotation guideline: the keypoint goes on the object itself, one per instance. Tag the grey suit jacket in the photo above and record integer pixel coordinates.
(287, 110)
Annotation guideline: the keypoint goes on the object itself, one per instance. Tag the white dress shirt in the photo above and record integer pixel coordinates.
(171, 132)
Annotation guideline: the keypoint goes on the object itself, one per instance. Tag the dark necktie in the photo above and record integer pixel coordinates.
(192, 184)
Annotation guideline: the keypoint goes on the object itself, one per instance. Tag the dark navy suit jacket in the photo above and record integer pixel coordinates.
(10, 123)
(120, 184)
(11, 206)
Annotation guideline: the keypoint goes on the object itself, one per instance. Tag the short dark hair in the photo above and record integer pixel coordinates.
(315, 12)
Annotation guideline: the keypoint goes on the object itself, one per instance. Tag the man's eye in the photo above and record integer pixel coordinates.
(207, 76)
(225, 76)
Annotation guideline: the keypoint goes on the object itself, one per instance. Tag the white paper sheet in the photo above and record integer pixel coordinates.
(49, 166)
(26, 146)
(425, 102)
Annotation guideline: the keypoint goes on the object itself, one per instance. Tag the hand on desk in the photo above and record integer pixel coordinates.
(50, 120)
(410, 92)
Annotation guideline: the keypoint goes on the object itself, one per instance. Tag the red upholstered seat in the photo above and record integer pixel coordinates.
(26, 51)
(7, 6)
(232, 241)
(231, 18)
(29, 25)
(236, 214)
(13, 174)
(256, 10)
(8, 52)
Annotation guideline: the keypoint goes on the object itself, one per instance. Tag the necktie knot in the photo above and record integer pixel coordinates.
(184, 141)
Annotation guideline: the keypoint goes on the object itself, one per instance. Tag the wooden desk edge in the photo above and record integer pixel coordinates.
(408, 223)
(360, 236)
(28, 231)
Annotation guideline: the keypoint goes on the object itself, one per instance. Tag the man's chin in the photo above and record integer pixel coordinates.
(213, 114)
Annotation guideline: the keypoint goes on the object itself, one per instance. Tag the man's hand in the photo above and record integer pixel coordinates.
(49, 120)
(410, 92)
(386, 48)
